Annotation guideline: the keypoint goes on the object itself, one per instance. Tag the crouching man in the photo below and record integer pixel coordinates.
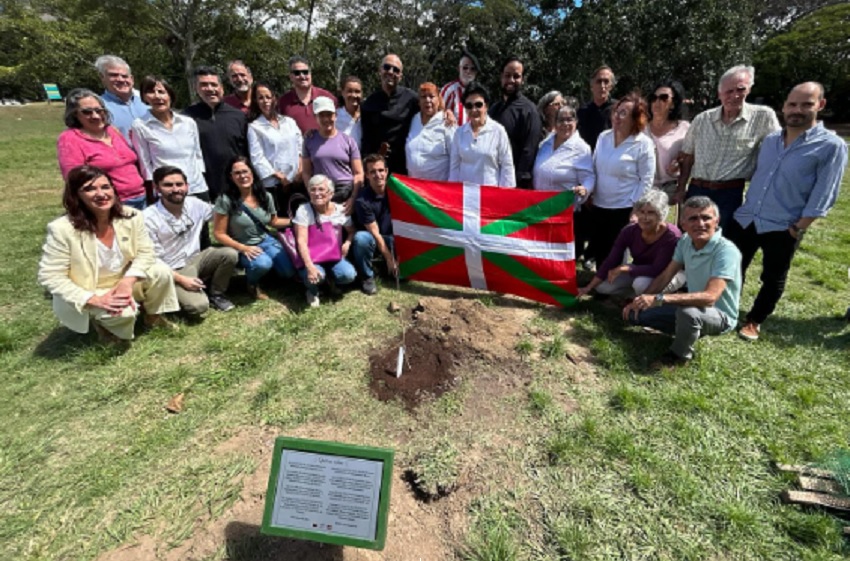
(374, 224)
(175, 223)
(712, 266)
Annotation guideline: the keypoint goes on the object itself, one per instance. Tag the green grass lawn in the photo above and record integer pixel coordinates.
(642, 465)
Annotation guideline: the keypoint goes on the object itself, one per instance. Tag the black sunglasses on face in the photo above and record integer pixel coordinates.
(473, 105)
(661, 97)
(391, 68)
(88, 111)
(299, 72)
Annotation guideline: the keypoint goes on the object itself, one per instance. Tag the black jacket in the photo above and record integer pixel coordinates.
(222, 133)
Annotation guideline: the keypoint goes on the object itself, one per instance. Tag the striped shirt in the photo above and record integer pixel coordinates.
(723, 152)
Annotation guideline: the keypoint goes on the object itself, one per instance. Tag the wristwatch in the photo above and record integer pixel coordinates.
(798, 229)
(659, 299)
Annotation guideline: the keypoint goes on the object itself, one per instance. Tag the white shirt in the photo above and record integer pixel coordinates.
(486, 160)
(274, 149)
(429, 148)
(157, 146)
(623, 173)
(176, 240)
(305, 216)
(349, 125)
(110, 260)
(568, 166)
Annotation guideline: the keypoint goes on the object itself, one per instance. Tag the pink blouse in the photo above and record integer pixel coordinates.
(75, 148)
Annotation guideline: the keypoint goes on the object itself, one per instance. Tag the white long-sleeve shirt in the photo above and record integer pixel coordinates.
(158, 146)
(565, 167)
(274, 149)
(486, 159)
(429, 148)
(623, 173)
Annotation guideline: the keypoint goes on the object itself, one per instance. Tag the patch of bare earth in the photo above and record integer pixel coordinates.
(474, 343)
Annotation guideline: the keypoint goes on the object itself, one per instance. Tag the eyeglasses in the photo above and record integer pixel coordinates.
(660, 97)
(467, 68)
(391, 68)
(181, 225)
(473, 105)
(622, 113)
(300, 72)
(89, 111)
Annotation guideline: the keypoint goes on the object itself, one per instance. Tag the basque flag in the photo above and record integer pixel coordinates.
(504, 240)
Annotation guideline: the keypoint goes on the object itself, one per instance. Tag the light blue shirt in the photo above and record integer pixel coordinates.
(124, 113)
(800, 181)
(720, 259)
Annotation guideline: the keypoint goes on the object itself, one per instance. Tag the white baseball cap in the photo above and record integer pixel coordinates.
(321, 104)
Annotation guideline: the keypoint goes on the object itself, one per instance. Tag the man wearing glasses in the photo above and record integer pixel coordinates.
(298, 102)
(721, 146)
(387, 113)
(175, 224)
(123, 102)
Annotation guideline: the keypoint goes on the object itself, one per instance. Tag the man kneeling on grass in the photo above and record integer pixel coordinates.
(174, 224)
(373, 222)
(712, 266)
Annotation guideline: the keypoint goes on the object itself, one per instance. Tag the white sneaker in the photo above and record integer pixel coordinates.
(312, 299)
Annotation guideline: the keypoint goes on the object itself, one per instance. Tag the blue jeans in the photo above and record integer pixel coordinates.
(727, 201)
(686, 324)
(273, 256)
(139, 203)
(363, 248)
(342, 272)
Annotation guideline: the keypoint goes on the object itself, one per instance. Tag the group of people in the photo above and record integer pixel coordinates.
(252, 160)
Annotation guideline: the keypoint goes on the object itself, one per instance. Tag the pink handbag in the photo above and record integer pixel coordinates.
(324, 242)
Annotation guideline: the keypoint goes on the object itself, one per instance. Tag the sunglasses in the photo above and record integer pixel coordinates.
(89, 111)
(473, 105)
(467, 68)
(300, 72)
(391, 68)
(661, 97)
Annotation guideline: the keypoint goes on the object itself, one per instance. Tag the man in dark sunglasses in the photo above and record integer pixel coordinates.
(387, 113)
(298, 102)
(521, 120)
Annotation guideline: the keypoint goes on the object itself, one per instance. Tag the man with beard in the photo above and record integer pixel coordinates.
(519, 116)
(297, 103)
(221, 129)
(797, 178)
(387, 113)
(174, 224)
(242, 80)
(452, 93)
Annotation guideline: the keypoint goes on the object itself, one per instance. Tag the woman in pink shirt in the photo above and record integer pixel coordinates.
(90, 140)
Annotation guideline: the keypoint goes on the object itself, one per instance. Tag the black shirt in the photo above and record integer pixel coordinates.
(593, 119)
(369, 208)
(387, 118)
(522, 122)
(222, 134)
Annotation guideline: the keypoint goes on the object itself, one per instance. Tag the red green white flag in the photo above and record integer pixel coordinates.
(489, 238)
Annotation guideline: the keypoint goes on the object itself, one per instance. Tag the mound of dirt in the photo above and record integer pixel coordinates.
(444, 334)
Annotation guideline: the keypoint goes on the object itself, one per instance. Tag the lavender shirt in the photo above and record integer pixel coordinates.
(332, 156)
(648, 260)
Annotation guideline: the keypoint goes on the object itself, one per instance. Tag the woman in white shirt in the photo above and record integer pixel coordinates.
(564, 161)
(429, 142)
(274, 143)
(165, 138)
(481, 150)
(624, 162)
(348, 114)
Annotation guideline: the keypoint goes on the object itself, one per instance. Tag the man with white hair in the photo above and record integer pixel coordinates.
(719, 152)
(452, 93)
(241, 80)
(123, 102)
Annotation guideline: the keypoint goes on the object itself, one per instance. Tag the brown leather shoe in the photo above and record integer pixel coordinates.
(749, 331)
(257, 293)
(156, 320)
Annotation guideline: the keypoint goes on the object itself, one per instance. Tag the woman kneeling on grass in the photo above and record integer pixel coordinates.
(242, 214)
(321, 217)
(99, 264)
(650, 241)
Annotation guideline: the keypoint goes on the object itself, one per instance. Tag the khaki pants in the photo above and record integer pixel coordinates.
(214, 263)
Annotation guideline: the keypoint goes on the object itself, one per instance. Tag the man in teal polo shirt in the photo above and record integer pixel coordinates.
(712, 266)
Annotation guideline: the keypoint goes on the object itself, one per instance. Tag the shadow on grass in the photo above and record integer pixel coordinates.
(62, 343)
(831, 332)
(245, 543)
(489, 298)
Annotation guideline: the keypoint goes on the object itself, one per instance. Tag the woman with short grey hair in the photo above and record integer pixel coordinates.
(548, 107)
(650, 242)
(90, 139)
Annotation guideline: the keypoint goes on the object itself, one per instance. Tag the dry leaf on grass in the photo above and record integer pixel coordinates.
(175, 404)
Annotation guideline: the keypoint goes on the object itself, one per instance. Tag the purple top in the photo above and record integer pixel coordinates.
(332, 156)
(648, 260)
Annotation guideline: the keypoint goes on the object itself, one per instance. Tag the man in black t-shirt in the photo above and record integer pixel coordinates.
(374, 223)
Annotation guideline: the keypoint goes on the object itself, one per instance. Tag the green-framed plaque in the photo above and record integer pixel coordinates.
(329, 492)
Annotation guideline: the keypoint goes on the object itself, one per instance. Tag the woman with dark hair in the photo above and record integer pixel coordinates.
(274, 142)
(348, 113)
(667, 130)
(91, 140)
(99, 263)
(624, 162)
(564, 161)
(242, 214)
(481, 150)
(429, 142)
(165, 138)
